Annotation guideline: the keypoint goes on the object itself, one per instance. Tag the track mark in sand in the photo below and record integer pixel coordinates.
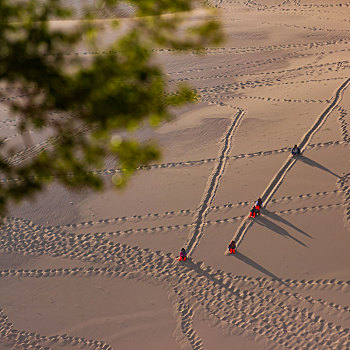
(11, 98)
(29, 131)
(261, 282)
(8, 123)
(162, 229)
(190, 163)
(344, 125)
(44, 145)
(7, 138)
(212, 186)
(297, 11)
(186, 212)
(297, 72)
(265, 81)
(282, 212)
(253, 310)
(230, 50)
(279, 177)
(184, 332)
(184, 309)
(268, 99)
(342, 183)
(31, 340)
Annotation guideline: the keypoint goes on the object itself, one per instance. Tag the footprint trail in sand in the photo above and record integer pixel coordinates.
(279, 177)
(213, 184)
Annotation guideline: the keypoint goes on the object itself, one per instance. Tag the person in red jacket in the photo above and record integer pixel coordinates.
(183, 255)
(232, 247)
(254, 212)
(258, 203)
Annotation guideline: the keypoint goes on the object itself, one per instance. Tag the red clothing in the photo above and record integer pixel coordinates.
(254, 211)
(183, 255)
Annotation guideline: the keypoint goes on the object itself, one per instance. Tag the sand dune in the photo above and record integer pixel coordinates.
(100, 271)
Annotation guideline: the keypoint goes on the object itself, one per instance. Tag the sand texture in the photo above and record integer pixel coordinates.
(100, 270)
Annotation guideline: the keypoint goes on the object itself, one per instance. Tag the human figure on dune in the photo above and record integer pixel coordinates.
(258, 204)
(232, 247)
(254, 212)
(183, 255)
(295, 151)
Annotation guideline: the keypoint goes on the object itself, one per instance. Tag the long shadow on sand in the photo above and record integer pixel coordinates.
(278, 229)
(283, 221)
(257, 266)
(311, 162)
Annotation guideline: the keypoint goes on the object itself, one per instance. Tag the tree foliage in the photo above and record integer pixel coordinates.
(120, 89)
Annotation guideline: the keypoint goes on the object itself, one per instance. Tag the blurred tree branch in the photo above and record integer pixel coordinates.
(118, 90)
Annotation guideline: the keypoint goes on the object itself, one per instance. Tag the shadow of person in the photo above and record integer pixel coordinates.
(257, 266)
(311, 162)
(278, 229)
(276, 217)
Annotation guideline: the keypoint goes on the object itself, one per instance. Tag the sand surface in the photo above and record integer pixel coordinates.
(100, 271)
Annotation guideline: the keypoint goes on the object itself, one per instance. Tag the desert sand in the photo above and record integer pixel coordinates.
(100, 270)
